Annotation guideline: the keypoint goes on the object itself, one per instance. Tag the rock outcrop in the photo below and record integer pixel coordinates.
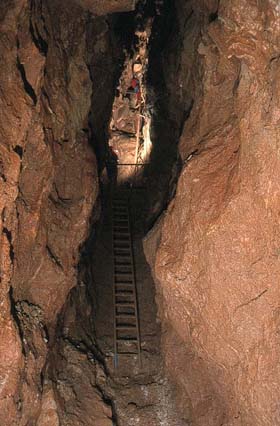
(215, 250)
(48, 186)
(104, 7)
(217, 259)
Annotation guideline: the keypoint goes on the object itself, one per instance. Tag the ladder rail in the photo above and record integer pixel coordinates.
(114, 289)
(124, 282)
(135, 292)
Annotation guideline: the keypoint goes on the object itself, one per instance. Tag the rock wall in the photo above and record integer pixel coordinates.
(48, 187)
(103, 7)
(217, 247)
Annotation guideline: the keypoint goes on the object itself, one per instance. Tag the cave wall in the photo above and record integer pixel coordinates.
(104, 7)
(217, 246)
(49, 186)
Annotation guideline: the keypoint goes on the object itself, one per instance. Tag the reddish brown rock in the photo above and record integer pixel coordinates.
(217, 261)
(48, 415)
(104, 7)
(80, 399)
(217, 248)
(48, 187)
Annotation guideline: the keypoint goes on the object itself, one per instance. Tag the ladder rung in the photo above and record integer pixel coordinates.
(126, 311)
(123, 255)
(122, 233)
(126, 327)
(124, 298)
(124, 290)
(127, 339)
(123, 266)
(126, 316)
(127, 300)
(125, 284)
(129, 288)
(123, 270)
(124, 294)
(121, 244)
(122, 321)
(125, 304)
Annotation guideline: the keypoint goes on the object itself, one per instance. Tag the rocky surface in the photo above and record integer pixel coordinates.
(216, 263)
(141, 394)
(48, 186)
(104, 7)
(214, 252)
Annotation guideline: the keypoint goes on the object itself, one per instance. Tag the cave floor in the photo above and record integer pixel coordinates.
(141, 395)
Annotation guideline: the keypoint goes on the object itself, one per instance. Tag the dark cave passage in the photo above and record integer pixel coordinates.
(133, 383)
(140, 393)
(95, 320)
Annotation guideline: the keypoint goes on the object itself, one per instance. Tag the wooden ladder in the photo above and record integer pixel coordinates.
(126, 318)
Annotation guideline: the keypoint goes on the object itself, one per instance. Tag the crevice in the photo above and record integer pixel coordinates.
(45, 333)
(19, 151)
(17, 321)
(53, 257)
(2, 171)
(186, 115)
(10, 240)
(59, 201)
(27, 86)
(213, 16)
(254, 299)
(190, 156)
(39, 42)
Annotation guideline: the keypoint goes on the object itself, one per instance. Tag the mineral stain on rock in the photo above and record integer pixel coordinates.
(204, 208)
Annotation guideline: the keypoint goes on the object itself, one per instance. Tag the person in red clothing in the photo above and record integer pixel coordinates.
(134, 83)
(135, 88)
